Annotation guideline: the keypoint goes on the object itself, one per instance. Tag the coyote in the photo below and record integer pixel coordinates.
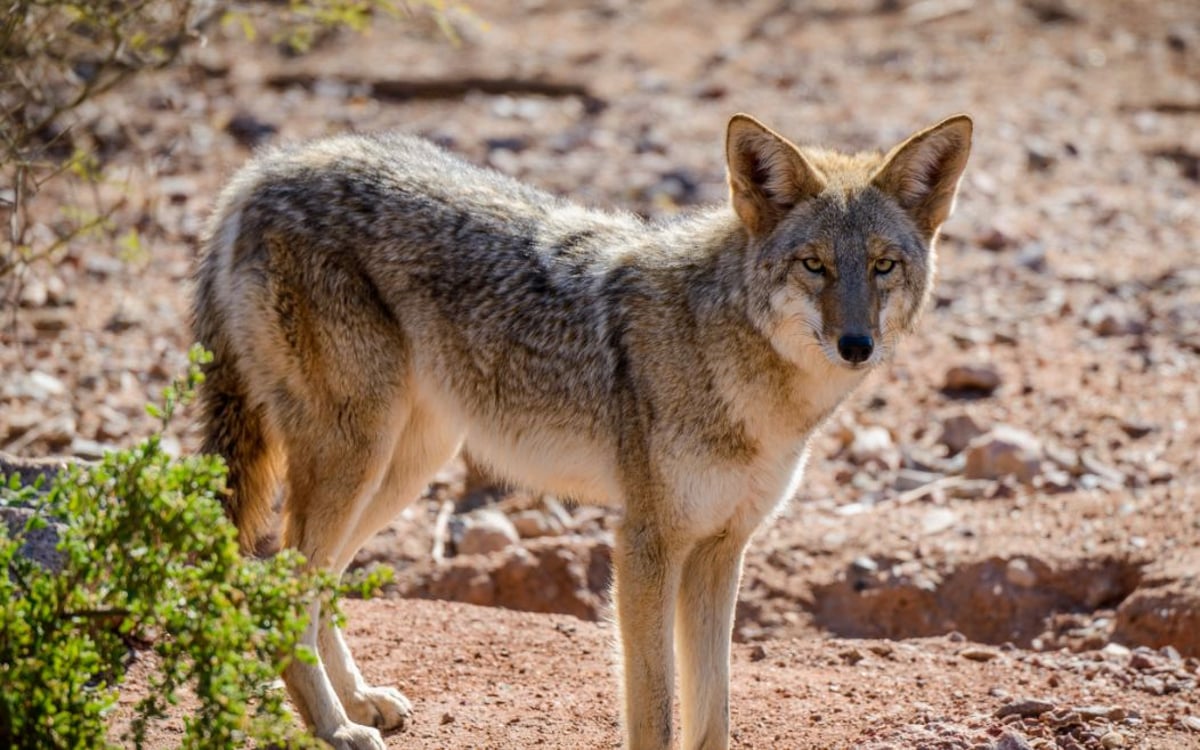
(374, 303)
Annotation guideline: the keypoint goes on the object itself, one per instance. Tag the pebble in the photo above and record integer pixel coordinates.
(534, 523)
(874, 444)
(938, 520)
(51, 321)
(1018, 573)
(979, 654)
(1004, 451)
(1112, 739)
(87, 449)
(958, 432)
(34, 293)
(1025, 708)
(982, 379)
(1011, 741)
(36, 385)
(1136, 428)
(1115, 651)
(1191, 723)
(995, 239)
(1114, 319)
(911, 479)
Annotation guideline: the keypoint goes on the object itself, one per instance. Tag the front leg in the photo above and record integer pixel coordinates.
(704, 625)
(646, 570)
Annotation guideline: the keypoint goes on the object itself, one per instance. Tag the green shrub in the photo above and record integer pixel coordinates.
(147, 557)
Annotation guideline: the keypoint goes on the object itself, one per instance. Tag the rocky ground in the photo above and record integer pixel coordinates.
(997, 541)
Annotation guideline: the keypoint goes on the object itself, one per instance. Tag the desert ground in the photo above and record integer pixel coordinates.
(997, 543)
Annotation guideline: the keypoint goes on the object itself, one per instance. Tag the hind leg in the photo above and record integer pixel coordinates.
(333, 475)
(423, 447)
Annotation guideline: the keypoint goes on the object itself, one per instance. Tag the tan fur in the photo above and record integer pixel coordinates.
(373, 303)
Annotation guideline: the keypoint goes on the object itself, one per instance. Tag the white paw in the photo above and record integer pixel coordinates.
(384, 708)
(355, 737)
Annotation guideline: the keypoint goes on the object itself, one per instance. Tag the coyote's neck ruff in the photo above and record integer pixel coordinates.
(373, 303)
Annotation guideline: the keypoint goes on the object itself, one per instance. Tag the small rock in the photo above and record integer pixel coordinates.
(1018, 573)
(1004, 451)
(758, 652)
(995, 239)
(1110, 474)
(250, 131)
(447, 718)
(102, 266)
(1011, 741)
(864, 565)
(58, 431)
(1115, 651)
(982, 379)
(874, 444)
(34, 294)
(51, 321)
(87, 449)
(1039, 155)
(851, 656)
(1025, 708)
(1112, 739)
(1136, 428)
(911, 479)
(1191, 723)
(979, 654)
(1114, 319)
(122, 320)
(1092, 713)
(1141, 661)
(958, 432)
(937, 520)
(973, 489)
(486, 531)
(56, 291)
(534, 523)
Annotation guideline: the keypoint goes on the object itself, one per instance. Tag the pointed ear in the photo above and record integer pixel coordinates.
(767, 174)
(923, 172)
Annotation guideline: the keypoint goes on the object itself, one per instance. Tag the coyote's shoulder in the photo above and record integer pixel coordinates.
(374, 303)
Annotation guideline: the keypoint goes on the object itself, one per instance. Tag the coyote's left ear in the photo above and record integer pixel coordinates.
(923, 172)
(767, 174)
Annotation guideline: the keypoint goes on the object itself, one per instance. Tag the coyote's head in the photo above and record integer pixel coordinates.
(842, 249)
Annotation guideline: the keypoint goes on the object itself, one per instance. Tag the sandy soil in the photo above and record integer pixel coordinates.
(1069, 280)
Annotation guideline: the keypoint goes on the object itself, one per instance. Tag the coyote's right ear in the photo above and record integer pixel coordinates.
(923, 172)
(767, 174)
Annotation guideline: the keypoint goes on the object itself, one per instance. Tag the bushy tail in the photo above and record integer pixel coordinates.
(235, 428)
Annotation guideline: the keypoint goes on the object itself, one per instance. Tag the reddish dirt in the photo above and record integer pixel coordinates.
(1069, 275)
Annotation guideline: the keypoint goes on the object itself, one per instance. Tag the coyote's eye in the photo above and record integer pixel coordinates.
(813, 265)
(884, 266)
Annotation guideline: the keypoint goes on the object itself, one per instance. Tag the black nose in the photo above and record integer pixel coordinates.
(855, 348)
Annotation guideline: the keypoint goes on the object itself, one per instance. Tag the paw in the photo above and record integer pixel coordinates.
(355, 737)
(384, 708)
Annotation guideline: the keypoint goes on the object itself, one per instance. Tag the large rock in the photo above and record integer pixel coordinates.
(486, 531)
(568, 575)
(40, 545)
(1165, 615)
